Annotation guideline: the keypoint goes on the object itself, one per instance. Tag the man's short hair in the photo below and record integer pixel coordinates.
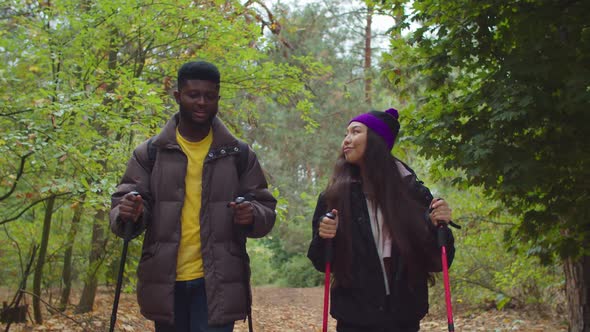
(198, 70)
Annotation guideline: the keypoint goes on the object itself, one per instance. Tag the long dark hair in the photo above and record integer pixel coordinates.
(402, 215)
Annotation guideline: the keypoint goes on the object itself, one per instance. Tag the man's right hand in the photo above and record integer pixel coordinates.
(328, 226)
(131, 207)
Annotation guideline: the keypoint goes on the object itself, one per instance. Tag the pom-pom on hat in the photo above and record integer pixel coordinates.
(385, 124)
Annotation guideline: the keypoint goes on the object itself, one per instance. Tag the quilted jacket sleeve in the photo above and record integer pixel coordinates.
(135, 178)
(253, 184)
(316, 251)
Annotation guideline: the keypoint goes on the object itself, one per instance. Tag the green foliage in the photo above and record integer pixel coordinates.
(85, 82)
(523, 279)
(261, 257)
(485, 272)
(505, 99)
(297, 273)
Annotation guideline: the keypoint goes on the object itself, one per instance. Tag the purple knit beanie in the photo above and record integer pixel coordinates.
(385, 124)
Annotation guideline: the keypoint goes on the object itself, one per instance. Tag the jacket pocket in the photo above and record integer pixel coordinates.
(147, 264)
(235, 249)
(234, 264)
(149, 251)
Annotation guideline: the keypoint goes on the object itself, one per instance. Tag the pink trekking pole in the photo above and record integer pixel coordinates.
(328, 258)
(442, 243)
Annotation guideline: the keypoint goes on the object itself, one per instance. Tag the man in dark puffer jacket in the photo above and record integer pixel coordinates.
(194, 270)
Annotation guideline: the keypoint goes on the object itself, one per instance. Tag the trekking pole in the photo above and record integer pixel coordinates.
(328, 258)
(240, 200)
(442, 243)
(127, 233)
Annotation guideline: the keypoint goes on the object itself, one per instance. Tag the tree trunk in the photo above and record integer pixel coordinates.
(95, 261)
(41, 260)
(577, 289)
(99, 239)
(368, 55)
(67, 268)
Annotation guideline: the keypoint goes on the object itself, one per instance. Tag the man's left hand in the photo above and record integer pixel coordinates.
(243, 213)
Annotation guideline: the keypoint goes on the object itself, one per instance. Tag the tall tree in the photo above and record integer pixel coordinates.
(95, 261)
(38, 277)
(67, 270)
(329, 49)
(368, 63)
(327, 41)
(502, 93)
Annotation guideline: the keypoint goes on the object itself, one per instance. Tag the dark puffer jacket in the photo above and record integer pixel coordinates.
(223, 244)
(365, 302)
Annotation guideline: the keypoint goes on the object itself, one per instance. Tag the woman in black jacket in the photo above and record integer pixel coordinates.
(384, 232)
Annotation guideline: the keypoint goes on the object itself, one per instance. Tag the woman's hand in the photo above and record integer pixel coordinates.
(440, 212)
(328, 226)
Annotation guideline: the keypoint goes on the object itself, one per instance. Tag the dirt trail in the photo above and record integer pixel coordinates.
(281, 310)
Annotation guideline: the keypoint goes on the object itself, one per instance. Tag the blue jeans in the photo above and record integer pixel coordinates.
(190, 310)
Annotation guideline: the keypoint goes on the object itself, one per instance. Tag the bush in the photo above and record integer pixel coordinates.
(263, 273)
(299, 272)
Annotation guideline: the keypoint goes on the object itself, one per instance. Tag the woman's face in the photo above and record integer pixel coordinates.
(355, 143)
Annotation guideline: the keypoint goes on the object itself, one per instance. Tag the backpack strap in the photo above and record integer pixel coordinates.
(152, 151)
(406, 167)
(417, 188)
(242, 160)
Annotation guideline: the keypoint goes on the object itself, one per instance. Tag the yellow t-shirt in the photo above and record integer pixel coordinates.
(189, 261)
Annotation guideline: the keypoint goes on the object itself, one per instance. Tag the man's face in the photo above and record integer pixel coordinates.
(198, 101)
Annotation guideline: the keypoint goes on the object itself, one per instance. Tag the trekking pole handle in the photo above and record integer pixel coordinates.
(241, 199)
(441, 235)
(328, 250)
(128, 225)
(450, 222)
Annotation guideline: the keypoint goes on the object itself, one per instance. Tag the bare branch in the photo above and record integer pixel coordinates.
(19, 294)
(56, 310)
(18, 175)
(30, 206)
(490, 288)
(18, 250)
(16, 112)
(272, 24)
(478, 218)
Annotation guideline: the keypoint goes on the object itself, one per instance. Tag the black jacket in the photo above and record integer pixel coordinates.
(365, 302)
